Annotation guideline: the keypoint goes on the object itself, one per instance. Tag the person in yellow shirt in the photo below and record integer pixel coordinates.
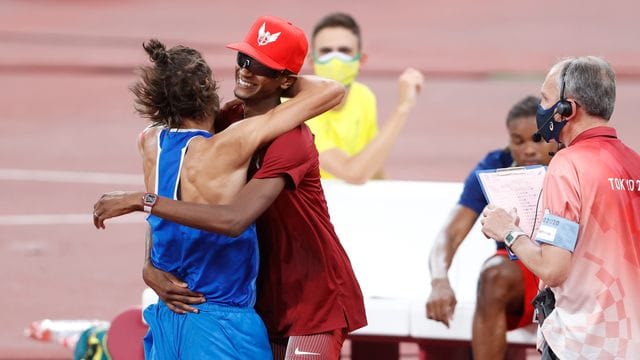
(351, 146)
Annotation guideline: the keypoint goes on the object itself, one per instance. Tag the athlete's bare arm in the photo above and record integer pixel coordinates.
(215, 169)
(312, 95)
(172, 290)
(442, 300)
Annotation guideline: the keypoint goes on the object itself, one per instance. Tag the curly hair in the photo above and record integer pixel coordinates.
(179, 84)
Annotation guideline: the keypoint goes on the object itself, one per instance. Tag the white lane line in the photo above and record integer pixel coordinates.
(66, 219)
(85, 177)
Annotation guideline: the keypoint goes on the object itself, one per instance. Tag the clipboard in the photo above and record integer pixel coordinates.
(517, 187)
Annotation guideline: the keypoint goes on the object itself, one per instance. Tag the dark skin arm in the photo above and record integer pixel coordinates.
(229, 219)
(442, 300)
(173, 291)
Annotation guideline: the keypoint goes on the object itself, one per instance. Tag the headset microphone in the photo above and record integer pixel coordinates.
(548, 128)
(537, 137)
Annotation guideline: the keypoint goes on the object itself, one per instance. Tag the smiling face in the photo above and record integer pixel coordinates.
(250, 86)
(523, 149)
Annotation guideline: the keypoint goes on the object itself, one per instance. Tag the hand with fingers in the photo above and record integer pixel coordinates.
(497, 222)
(116, 203)
(173, 291)
(442, 301)
(410, 84)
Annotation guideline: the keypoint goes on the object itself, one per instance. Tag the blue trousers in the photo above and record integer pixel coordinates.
(216, 332)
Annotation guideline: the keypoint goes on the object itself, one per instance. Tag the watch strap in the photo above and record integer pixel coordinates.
(512, 236)
(148, 201)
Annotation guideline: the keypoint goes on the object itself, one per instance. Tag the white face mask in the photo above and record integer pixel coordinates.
(337, 66)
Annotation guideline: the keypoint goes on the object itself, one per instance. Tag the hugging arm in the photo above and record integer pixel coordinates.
(230, 219)
(173, 291)
(312, 96)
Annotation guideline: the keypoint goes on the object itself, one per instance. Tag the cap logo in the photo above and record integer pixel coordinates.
(265, 37)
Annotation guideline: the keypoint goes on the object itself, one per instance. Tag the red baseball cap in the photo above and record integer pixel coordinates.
(276, 43)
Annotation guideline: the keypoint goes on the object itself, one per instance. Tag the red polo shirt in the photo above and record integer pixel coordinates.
(592, 209)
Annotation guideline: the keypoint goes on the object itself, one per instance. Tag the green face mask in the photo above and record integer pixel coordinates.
(337, 66)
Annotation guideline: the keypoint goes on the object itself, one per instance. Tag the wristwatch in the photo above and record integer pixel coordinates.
(512, 236)
(148, 200)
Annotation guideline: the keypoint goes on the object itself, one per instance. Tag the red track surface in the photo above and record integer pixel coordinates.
(65, 67)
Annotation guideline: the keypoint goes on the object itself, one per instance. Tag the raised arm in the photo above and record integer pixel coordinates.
(312, 95)
(359, 168)
(442, 301)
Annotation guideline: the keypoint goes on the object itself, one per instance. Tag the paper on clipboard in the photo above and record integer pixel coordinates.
(516, 187)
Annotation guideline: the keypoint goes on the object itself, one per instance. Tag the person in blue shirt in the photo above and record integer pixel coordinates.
(505, 287)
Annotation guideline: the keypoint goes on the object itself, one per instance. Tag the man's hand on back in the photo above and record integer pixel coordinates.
(173, 291)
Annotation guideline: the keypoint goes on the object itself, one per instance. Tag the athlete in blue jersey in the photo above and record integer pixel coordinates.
(222, 268)
(183, 159)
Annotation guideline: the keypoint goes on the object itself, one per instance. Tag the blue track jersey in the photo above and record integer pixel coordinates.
(222, 268)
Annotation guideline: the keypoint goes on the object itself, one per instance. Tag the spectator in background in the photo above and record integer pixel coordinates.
(351, 147)
(505, 288)
(587, 248)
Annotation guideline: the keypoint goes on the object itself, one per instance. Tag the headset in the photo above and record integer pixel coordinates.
(564, 107)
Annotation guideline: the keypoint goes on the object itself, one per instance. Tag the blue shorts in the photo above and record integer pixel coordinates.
(216, 332)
